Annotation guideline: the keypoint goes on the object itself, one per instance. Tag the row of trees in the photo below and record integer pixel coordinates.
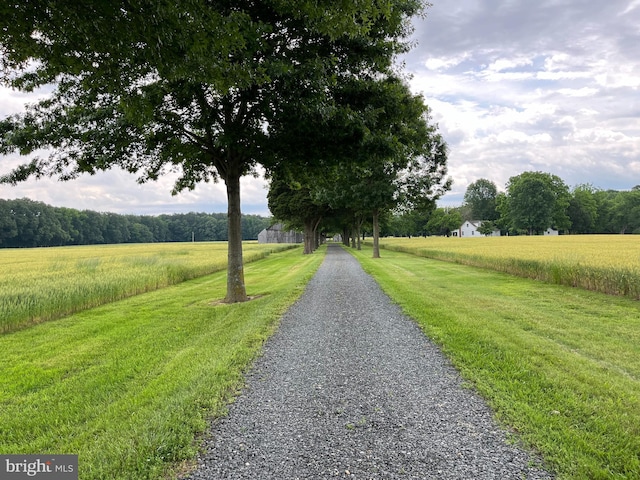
(210, 90)
(25, 223)
(531, 203)
(400, 164)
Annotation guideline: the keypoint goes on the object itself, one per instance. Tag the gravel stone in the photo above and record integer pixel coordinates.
(349, 387)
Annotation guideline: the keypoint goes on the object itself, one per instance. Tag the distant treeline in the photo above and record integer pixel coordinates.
(26, 223)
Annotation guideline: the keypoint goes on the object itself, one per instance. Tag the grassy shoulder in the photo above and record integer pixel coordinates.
(560, 366)
(128, 386)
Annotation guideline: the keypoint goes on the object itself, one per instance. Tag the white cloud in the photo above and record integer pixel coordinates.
(503, 64)
(563, 75)
(493, 76)
(435, 63)
(578, 92)
(624, 77)
(587, 111)
(13, 101)
(633, 4)
(600, 135)
(514, 137)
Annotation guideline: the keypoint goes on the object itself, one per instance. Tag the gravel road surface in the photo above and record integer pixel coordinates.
(349, 387)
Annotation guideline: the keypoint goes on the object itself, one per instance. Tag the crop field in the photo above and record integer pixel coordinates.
(603, 263)
(42, 284)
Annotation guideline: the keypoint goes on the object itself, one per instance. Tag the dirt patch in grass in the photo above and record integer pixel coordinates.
(222, 301)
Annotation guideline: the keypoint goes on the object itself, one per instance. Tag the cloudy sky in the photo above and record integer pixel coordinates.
(514, 86)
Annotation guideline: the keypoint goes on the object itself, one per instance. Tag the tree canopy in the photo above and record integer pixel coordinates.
(537, 201)
(207, 90)
(583, 209)
(481, 199)
(393, 157)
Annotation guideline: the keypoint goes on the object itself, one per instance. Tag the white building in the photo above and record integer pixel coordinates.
(469, 229)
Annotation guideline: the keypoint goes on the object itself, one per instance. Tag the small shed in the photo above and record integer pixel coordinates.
(277, 234)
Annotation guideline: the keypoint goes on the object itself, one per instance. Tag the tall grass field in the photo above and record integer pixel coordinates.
(603, 263)
(129, 386)
(40, 284)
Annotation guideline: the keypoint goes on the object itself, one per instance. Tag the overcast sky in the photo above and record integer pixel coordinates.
(514, 86)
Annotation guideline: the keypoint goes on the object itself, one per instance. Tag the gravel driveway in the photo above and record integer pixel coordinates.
(350, 387)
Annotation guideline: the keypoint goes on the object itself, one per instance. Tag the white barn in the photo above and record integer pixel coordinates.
(469, 229)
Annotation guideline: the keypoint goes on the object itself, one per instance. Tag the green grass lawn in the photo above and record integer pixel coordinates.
(128, 386)
(560, 366)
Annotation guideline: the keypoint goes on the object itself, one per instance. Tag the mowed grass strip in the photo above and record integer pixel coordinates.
(602, 263)
(40, 284)
(128, 386)
(560, 366)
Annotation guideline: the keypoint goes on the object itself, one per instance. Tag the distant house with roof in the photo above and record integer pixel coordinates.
(469, 229)
(277, 234)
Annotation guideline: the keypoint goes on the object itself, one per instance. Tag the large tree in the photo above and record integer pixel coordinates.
(195, 87)
(536, 201)
(480, 197)
(626, 211)
(583, 209)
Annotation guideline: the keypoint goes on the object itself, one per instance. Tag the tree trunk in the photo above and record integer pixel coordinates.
(316, 234)
(308, 237)
(376, 235)
(236, 291)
